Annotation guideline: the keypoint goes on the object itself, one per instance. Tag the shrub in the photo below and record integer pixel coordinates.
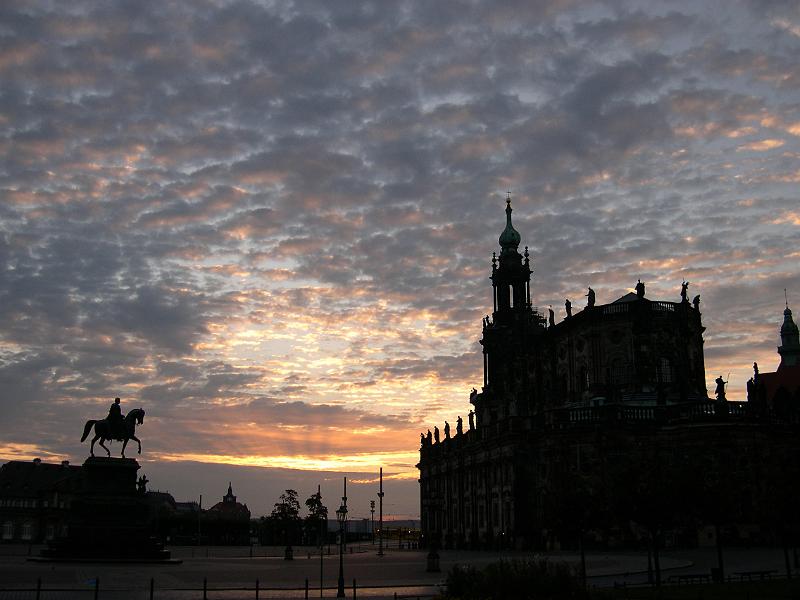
(526, 579)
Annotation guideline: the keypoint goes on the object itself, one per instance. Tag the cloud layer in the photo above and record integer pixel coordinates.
(271, 225)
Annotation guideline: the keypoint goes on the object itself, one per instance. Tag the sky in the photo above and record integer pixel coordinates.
(270, 224)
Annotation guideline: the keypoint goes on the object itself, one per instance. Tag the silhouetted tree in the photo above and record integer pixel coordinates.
(715, 486)
(286, 514)
(778, 499)
(650, 491)
(317, 518)
(575, 504)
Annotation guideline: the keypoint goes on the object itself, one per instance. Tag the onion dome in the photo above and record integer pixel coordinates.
(789, 331)
(510, 238)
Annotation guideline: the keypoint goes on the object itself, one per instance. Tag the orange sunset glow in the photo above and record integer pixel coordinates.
(271, 226)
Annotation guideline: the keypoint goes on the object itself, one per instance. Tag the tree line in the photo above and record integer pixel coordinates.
(285, 526)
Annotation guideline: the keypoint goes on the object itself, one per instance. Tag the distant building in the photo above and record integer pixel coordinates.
(591, 398)
(779, 392)
(35, 499)
(227, 522)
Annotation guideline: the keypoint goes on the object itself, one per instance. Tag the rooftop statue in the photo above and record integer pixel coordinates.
(471, 416)
(696, 302)
(639, 289)
(446, 430)
(568, 306)
(720, 390)
(115, 427)
(459, 425)
(551, 320)
(591, 298)
(436, 434)
(685, 291)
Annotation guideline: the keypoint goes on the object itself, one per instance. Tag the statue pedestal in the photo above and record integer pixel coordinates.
(108, 518)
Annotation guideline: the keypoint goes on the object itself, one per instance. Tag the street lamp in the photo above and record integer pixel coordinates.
(341, 516)
(372, 511)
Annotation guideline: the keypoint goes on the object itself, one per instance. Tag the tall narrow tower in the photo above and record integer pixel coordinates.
(790, 341)
(508, 338)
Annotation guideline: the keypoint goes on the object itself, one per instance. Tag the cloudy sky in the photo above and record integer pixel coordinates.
(270, 224)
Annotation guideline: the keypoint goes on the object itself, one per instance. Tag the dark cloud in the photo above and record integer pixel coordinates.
(287, 212)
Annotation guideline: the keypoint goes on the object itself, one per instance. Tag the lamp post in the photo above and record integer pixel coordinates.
(380, 523)
(372, 512)
(341, 516)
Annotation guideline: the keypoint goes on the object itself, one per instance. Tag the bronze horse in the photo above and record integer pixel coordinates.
(102, 431)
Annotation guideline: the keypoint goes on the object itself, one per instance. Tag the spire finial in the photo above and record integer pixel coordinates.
(786, 297)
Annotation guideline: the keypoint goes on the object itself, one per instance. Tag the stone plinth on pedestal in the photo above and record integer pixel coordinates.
(108, 518)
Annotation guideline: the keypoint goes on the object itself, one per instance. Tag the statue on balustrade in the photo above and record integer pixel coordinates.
(591, 298)
(720, 390)
(471, 417)
(551, 321)
(685, 291)
(639, 289)
(429, 438)
(459, 425)
(446, 430)
(436, 434)
(568, 307)
(696, 302)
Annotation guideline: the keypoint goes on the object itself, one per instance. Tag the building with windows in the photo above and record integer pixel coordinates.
(35, 499)
(605, 394)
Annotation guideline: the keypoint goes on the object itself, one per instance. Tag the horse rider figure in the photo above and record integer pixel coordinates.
(116, 422)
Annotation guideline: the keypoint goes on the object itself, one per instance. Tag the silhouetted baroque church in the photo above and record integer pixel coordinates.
(567, 397)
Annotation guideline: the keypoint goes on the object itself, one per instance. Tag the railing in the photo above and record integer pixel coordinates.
(625, 307)
(663, 306)
(613, 309)
(94, 589)
(593, 416)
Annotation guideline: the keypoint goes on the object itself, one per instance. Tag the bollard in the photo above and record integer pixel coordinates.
(152, 586)
(96, 588)
(354, 588)
(306, 588)
(205, 588)
(38, 587)
(256, 589)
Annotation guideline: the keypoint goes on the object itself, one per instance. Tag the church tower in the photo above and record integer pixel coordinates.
(790, 341)
(508, 361)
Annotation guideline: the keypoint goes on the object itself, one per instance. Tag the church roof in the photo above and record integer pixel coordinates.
(629, 297)
(231, 510)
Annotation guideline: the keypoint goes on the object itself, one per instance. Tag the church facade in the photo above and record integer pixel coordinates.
(591, 398)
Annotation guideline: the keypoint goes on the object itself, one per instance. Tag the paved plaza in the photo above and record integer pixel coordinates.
(231, 573)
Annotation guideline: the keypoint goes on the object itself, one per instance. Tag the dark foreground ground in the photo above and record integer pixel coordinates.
(232, 574)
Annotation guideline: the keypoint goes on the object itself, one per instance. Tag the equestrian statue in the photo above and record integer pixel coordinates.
(115, 427)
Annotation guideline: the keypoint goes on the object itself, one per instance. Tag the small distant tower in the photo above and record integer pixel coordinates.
(790, 341)
(229, 498)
